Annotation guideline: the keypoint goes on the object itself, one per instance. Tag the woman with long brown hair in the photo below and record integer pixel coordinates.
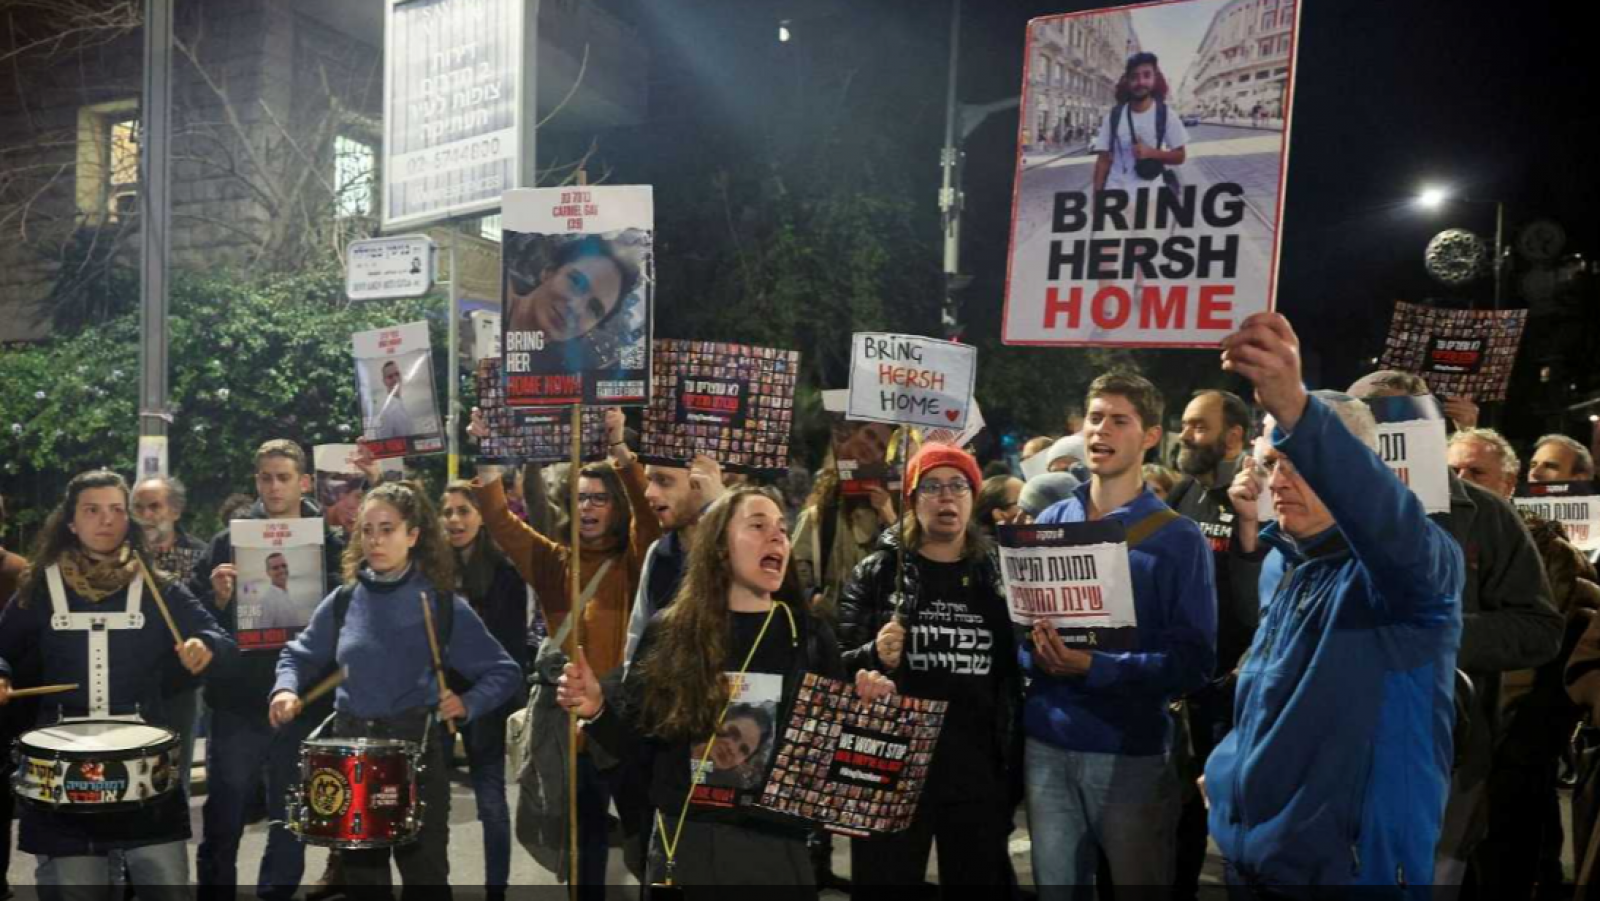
(727, 642)
(498, 595)
(375, 629)
(89, 564)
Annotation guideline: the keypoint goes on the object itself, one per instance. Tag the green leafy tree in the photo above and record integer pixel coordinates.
(251, 360)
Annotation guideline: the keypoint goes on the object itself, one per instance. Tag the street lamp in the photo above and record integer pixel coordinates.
(1433, 197)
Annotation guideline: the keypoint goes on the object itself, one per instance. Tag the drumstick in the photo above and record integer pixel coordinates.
(333, 681)
(160, 604)
(42, 690)
(433, 644)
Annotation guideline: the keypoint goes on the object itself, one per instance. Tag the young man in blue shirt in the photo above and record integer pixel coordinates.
(1097, 770)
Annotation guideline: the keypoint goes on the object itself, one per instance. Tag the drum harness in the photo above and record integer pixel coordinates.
(99, 626)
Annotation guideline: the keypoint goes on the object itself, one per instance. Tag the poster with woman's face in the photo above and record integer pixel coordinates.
(577, 292)
(730, 765)
(394, 379)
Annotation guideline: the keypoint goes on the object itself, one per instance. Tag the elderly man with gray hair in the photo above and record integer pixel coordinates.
(1338, 764)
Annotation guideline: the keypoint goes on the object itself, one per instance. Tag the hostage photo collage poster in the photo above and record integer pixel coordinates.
(1459, 353)
(578, 283)
(854, 768)
(732, 402)
(279, 565)
(531, 434)
(394, 379)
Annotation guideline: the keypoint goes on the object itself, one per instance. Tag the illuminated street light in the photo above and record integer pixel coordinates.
(783, 32)
(1432, 198)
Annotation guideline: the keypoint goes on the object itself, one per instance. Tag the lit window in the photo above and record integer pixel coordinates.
(108, 161)
(489, 227)
(355, 177)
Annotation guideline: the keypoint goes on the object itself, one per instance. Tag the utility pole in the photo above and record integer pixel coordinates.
(155, 213)
(950, 196)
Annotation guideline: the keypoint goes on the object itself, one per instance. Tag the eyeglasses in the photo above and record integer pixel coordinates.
(935, 488)
(594, 500)
(1279, 464)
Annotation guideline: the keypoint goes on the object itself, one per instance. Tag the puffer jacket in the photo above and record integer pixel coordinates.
(867, 603)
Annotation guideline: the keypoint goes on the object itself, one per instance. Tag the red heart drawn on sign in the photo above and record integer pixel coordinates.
(952, 415)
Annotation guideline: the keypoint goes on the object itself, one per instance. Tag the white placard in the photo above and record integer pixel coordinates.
(1415, 451)
(279, 565)
(394, 379)
(911, 380)
(386, 268)
(454, 104)
(1062, 573)
(1580, 516)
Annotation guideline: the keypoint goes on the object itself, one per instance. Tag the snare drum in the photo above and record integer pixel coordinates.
(357, 793)
(96, 766)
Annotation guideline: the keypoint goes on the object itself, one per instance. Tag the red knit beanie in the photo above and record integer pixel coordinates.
(933, 456)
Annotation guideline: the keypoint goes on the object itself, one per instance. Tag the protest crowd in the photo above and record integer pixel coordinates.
(1329, 683)
(1332, 635)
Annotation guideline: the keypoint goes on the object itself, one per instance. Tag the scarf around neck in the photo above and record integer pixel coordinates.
(96, 580)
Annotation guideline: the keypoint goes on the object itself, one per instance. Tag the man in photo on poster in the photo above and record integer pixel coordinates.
(270, 604)
(1139, 137)
(390, 418)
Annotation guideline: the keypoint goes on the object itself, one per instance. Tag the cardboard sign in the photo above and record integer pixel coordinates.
(854, 768)
(384, 268)
(1112, 246)
(279, 565)
(578, 289)
(911, 380)
(1468, 353)
(1076, 576)
(394, 379)
(1573, 504)
(532, 434)
(731, 402)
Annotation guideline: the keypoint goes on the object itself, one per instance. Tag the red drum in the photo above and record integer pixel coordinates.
(357, 793)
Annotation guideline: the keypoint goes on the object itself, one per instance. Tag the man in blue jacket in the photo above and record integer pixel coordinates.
(1338, 765)
(1097, 773)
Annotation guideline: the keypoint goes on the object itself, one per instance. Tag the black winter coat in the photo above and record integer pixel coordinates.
(867, 604)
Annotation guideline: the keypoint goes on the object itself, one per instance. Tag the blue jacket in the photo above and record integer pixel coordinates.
(384, 645)
(1338, 764)
(1120, 707)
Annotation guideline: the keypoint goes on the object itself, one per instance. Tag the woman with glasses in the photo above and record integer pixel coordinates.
(615, 528)
(937, 624)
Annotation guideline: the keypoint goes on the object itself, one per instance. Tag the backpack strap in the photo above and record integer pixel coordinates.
(1116, 122)
(1161, 124)
(1150, 525)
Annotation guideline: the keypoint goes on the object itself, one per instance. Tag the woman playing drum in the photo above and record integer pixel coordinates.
(82, 600)
(396, 562)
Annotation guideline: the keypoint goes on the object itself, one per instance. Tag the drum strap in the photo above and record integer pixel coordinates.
(99, 625)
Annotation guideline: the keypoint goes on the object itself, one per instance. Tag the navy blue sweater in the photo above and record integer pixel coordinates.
(384, 645)
(136, 658)
(1120, 707)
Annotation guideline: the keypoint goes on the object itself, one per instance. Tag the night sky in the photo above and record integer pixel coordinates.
(1494, 101)
(1490, 99)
